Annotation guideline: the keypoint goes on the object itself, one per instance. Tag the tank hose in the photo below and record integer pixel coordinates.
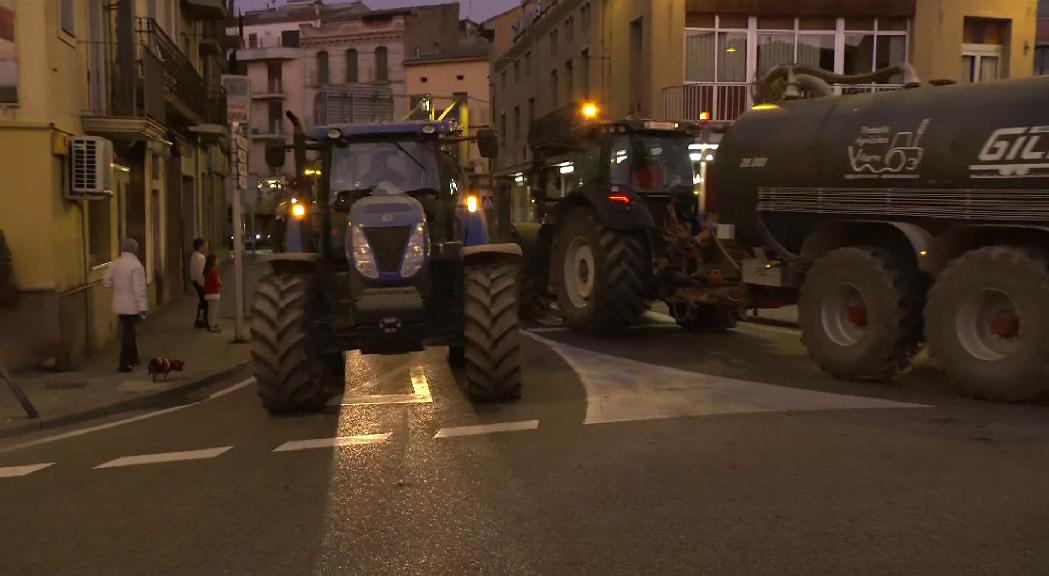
(770, 240)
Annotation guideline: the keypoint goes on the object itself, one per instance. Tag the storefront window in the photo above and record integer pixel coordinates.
(699, 56)
(774, 49)
(732, 57)
(816, 50)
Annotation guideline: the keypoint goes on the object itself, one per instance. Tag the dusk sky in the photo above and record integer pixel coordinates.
(477, 10)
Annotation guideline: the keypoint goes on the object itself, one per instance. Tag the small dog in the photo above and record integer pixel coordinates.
(161, 366)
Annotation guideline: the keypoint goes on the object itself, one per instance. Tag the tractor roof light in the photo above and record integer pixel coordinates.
(471, 203)
(590, 111)
(298, 211)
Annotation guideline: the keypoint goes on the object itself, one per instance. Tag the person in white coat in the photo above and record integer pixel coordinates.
(127, 278)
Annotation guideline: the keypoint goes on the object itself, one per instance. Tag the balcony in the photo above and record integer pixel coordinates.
(727, 101)
(158, 88)
(269, 48)
(271, 130)
(274, 90)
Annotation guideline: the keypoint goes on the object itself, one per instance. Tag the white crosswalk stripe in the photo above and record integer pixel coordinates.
(333, 442)
(165, 457)
(478, 429)
(19, 471)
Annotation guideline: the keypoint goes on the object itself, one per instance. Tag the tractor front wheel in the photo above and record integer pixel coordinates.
(492, 342)
(290, 375)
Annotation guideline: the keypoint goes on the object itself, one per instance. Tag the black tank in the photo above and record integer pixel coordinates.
(937, 155)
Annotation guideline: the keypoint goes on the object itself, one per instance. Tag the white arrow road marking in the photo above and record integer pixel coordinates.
(165, 457)
(19, 471)
(619, 390)
(475, 430)
(333, 442)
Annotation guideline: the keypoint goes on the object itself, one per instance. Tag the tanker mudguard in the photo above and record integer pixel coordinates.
(634, 215)
(471, 253)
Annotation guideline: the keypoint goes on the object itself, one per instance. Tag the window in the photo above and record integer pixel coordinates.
(351, 66)
(555, 96)
(1041, 57)
(517, 122)
(517, 71)
(253, 40)
(585, 72)
(569, 26)
(502, 81)
(982, 49)
(584, 17)
(774, 48)
(275, 120)
(502, 128)
(553, 42)
(382, 64)
(570, 80)
(289, 38)
(528, 63)
(460, 77)
(67, 16)
(274, 77)
(531, 111)
(816, 50)
(100, 232)
(322, 68)
(423, 79)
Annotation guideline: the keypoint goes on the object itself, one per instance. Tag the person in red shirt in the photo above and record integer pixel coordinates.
(212, 292)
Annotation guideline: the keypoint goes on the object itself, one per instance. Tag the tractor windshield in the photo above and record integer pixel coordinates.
(392, 166)
(650, 162)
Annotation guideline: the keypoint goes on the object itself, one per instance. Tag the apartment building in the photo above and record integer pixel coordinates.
(144, 74)
(681, 60)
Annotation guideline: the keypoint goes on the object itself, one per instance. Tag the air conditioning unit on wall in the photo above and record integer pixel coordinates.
(90, 168)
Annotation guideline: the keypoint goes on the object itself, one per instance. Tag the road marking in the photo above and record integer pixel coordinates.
(100, 427)
(230, 389)
(621, 390)
(475, 430)
(165, 457)
(333, 442)
(131, 420)
(420, 392)
(19, 471)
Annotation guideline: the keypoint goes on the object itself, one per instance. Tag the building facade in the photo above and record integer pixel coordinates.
(143, 74)
(684, 60)
(331, 63)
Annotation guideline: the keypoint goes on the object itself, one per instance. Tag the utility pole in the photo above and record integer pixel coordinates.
(240, 150)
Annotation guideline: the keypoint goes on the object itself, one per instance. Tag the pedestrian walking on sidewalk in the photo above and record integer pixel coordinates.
(212, 292)
(196, 274)
(127, 278)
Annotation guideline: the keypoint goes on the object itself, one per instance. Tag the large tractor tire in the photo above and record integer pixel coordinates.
(860, 313)
(492, 342)
(602, 275)
(290, 375)
(987, 323)
(534, 296)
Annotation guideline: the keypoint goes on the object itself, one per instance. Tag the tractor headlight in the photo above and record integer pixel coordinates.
(363, 257)
(415, 253)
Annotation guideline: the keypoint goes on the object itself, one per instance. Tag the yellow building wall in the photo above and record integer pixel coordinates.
(938, 30)
(662, 57)
(442, 82)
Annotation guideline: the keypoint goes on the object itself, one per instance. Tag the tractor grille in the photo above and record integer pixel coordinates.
(388, 246)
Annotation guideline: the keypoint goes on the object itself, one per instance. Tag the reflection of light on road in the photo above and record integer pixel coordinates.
(358, 368)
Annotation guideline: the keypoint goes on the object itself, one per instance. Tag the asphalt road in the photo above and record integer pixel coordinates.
(661, 453)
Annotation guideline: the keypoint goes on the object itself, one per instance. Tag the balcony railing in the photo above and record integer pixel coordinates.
(727, 101)
(181, 79)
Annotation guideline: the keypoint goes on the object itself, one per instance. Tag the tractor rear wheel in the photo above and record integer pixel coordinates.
(290, 375)
(860, 313)
(602, 275)
(988, 323)
(492, 341)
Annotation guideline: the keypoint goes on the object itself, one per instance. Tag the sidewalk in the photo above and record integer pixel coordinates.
(97, 389)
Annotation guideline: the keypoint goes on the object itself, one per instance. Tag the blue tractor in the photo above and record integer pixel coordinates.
(391, 259)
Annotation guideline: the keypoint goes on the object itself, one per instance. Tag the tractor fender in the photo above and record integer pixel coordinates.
(632, 215)
(292, 262)
(488, 252)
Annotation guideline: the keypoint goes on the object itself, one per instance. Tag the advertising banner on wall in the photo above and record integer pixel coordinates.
(8, 54)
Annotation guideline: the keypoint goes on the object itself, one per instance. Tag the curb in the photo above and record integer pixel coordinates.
(146, 400)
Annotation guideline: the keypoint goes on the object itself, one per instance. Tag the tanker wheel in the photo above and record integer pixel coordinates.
(860, 313)
(987, 323)
(602, 275)
(534, 294)
(708, 318)
(492, 343)
(290, 376)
